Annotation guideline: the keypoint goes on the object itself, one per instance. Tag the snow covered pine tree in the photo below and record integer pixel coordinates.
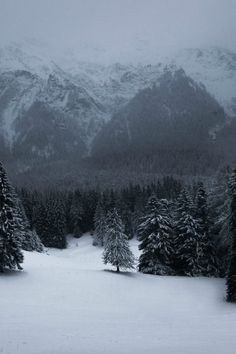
(117, 251)
(231, 276)
(207, 260)
(187, 235)
(30, 241)
(219, 205)
(10, 244)
(156, 239)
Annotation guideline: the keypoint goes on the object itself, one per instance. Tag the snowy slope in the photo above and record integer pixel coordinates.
(216, 69)
(68, 302)
(18, 91)
(30, 57)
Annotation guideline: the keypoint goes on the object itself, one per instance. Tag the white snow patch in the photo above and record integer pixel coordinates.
(68, 302)
(9, 116)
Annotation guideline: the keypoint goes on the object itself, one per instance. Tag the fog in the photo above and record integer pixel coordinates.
(113, 24)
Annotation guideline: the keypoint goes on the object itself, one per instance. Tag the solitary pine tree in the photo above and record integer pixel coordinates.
(10, 243)
(156, 239)
(231, 276)
(117, 251)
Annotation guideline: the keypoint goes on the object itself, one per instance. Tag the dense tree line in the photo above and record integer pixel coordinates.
(53, 214)
(174, 237)
(182, 230)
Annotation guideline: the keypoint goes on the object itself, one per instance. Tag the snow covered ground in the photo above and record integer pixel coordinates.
(68, 302)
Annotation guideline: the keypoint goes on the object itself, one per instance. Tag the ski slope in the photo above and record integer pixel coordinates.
(68, 302)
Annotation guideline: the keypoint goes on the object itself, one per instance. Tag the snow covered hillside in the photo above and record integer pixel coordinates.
(68, 302)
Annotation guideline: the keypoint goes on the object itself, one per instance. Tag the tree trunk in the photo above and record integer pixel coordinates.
(118, 269)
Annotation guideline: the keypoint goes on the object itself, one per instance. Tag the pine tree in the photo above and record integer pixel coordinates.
(205, 251)
(231, 276)
(156, 239)
(56, 222)
(41, 221)
(146, 231)
(187, 233)
(100, 225)
(29, 238)
(89, 203)
(31, 241)
(30, 201)
(219, 205)
(202, 212)
(10, 242)
(76, 215)
(117, 251)
(51, 222)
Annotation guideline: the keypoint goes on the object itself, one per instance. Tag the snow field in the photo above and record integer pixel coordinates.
(68, 302)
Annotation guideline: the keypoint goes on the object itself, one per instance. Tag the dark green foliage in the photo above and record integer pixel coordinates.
(219, 204)
(10, 241)
(31, 241)
(231, 276)
(207, 259)
(100, 225)
(51, 223)
(41, 221)
(187, 233)
(57, 224)
(29, 238)
(80, 206)
(202, 212)
(156, 239)
(75, 215)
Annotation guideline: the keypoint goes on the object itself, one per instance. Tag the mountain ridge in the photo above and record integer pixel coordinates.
(79, 99)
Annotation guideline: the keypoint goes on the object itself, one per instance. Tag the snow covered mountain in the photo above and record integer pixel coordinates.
(43, 111)
(173, 121)
(54, 106)
(213, 67)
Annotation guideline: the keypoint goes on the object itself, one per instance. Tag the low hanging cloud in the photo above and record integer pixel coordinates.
(117, 23)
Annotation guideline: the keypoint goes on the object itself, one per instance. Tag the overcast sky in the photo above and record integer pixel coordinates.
(66, 23)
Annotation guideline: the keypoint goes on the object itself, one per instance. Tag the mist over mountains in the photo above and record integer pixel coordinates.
(164, 114)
